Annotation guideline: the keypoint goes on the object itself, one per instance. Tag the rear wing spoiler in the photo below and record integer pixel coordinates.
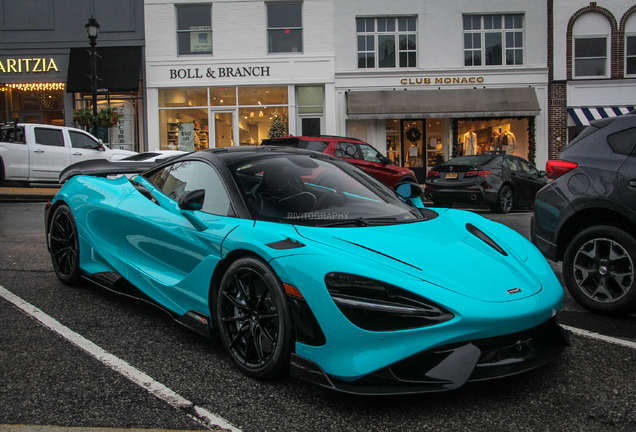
(104, 168)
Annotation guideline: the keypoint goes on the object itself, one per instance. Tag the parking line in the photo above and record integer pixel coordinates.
(600, 337)
(199, 414)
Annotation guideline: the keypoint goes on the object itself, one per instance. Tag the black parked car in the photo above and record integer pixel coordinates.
(499, 180)
(587, 216)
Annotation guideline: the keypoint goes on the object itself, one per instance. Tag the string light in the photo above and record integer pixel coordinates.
(33, 86)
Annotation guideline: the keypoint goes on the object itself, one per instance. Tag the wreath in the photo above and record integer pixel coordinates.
(48, 100)
(413, 134)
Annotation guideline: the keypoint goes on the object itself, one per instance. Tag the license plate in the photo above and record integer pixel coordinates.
(451, 175)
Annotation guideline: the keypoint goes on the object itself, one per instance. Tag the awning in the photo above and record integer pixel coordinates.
(455, 103)
(583, 116)
(118, 69)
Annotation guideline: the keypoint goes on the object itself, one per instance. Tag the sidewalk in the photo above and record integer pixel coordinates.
(24, 194)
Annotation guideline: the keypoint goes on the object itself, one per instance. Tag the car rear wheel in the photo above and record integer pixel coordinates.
(504, 200)
(64, 246)
(254, 319)
(598, 268)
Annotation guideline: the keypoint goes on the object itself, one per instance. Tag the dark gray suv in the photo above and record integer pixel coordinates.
(586, 217)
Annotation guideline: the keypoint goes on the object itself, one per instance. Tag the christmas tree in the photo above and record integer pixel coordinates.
(277, 125)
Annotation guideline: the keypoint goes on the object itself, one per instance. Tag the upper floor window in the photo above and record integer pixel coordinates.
(284, 27)
(387, 42)
(590, 57)
(194, 29)
(489, 39)
(630, 55)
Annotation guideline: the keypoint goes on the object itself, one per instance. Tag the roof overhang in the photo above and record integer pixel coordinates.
(453, 103)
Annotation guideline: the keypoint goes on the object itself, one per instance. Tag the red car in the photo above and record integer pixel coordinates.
(353, 150)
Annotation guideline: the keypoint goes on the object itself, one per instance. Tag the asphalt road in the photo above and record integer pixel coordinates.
(45, 379)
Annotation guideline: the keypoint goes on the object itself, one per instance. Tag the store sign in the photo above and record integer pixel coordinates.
(219, 72)
(28, 65)
(442, 80)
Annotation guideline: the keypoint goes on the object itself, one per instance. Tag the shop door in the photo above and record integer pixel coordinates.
(223, 124)
(413, 134)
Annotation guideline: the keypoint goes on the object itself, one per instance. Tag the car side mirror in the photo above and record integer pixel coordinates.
(190, 202)
(408, 190)
(542, 173)
(385, 160)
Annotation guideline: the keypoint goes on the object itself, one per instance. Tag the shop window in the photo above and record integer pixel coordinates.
(183, 97)
(590, 57)
(387, 42)
(184, 129)
(284, 27)
(270, 95)
(310, 109)
(630, 55)
(194, 30)
(257, 123)
(493, 40)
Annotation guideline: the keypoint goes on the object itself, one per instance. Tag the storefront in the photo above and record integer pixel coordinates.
(32, 88)
(200, 106)
(425, 121)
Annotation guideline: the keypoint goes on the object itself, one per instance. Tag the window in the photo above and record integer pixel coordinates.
(630, 55)
(80, 140)
(176, 180)
(370, 154)
(590, 57)
(348, 150)
(491, 40)
(386, 42)
(284, 27)
(50, 137)
(194, 29)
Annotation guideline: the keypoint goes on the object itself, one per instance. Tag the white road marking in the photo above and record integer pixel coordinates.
(199, 414)
(600, 337)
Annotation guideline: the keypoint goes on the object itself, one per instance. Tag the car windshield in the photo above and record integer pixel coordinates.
(305, 190)
(473, 160)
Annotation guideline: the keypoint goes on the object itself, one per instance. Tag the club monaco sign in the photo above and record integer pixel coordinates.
(443, 80)
(219, 72)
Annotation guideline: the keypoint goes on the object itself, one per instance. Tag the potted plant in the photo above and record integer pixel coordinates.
(83, 117)
(108, 116)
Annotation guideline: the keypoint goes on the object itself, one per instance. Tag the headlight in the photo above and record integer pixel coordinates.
(377, 306)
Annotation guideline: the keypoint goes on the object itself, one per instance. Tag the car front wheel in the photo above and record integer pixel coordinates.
(598, 268)
(254, 319)
(64, 246)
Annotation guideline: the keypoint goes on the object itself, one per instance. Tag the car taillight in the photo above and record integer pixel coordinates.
(556, 168)
(480, 173)
(432, 174)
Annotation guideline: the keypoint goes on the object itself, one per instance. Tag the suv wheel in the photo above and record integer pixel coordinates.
(598, 268)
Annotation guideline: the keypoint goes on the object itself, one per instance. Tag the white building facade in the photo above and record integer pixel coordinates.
(422, 81)
(226, 72)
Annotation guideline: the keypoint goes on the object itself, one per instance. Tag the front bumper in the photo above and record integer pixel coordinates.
(450, 367)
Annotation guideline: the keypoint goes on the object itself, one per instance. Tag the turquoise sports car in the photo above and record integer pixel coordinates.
(306, 265)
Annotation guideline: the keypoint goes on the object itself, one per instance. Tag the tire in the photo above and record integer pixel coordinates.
(254, 319)
(598, 268)
(505, 201)
(64, 246)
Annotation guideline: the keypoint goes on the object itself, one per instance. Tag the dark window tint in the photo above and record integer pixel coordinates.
(50, 137)
(622, 142)
(284, 27)
(12, 135)
(83, 141)
(183, 177)
(194, 29)
(348, 150)
(318, 146)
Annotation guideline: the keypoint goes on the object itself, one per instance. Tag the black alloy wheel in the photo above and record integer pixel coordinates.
(598, 268)
(504, 202)
(254, 319)
(64, 246)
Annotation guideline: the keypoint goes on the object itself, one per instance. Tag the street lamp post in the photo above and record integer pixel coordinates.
(92, 30)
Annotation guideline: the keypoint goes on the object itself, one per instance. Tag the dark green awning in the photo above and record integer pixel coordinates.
(443, 103)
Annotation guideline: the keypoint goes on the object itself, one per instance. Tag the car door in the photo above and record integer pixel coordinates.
(623, 143)
(531, 181)
(49, 154)
(166, 254)
(85, 146)
(372, 163)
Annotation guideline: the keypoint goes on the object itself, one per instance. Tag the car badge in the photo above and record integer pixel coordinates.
(450, 168)
(513, 291)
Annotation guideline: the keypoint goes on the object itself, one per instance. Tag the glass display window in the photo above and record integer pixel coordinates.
(255, 123)
(509, 135)
(184, 129)
(222, 96)
(183, 97)
(270, 95)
